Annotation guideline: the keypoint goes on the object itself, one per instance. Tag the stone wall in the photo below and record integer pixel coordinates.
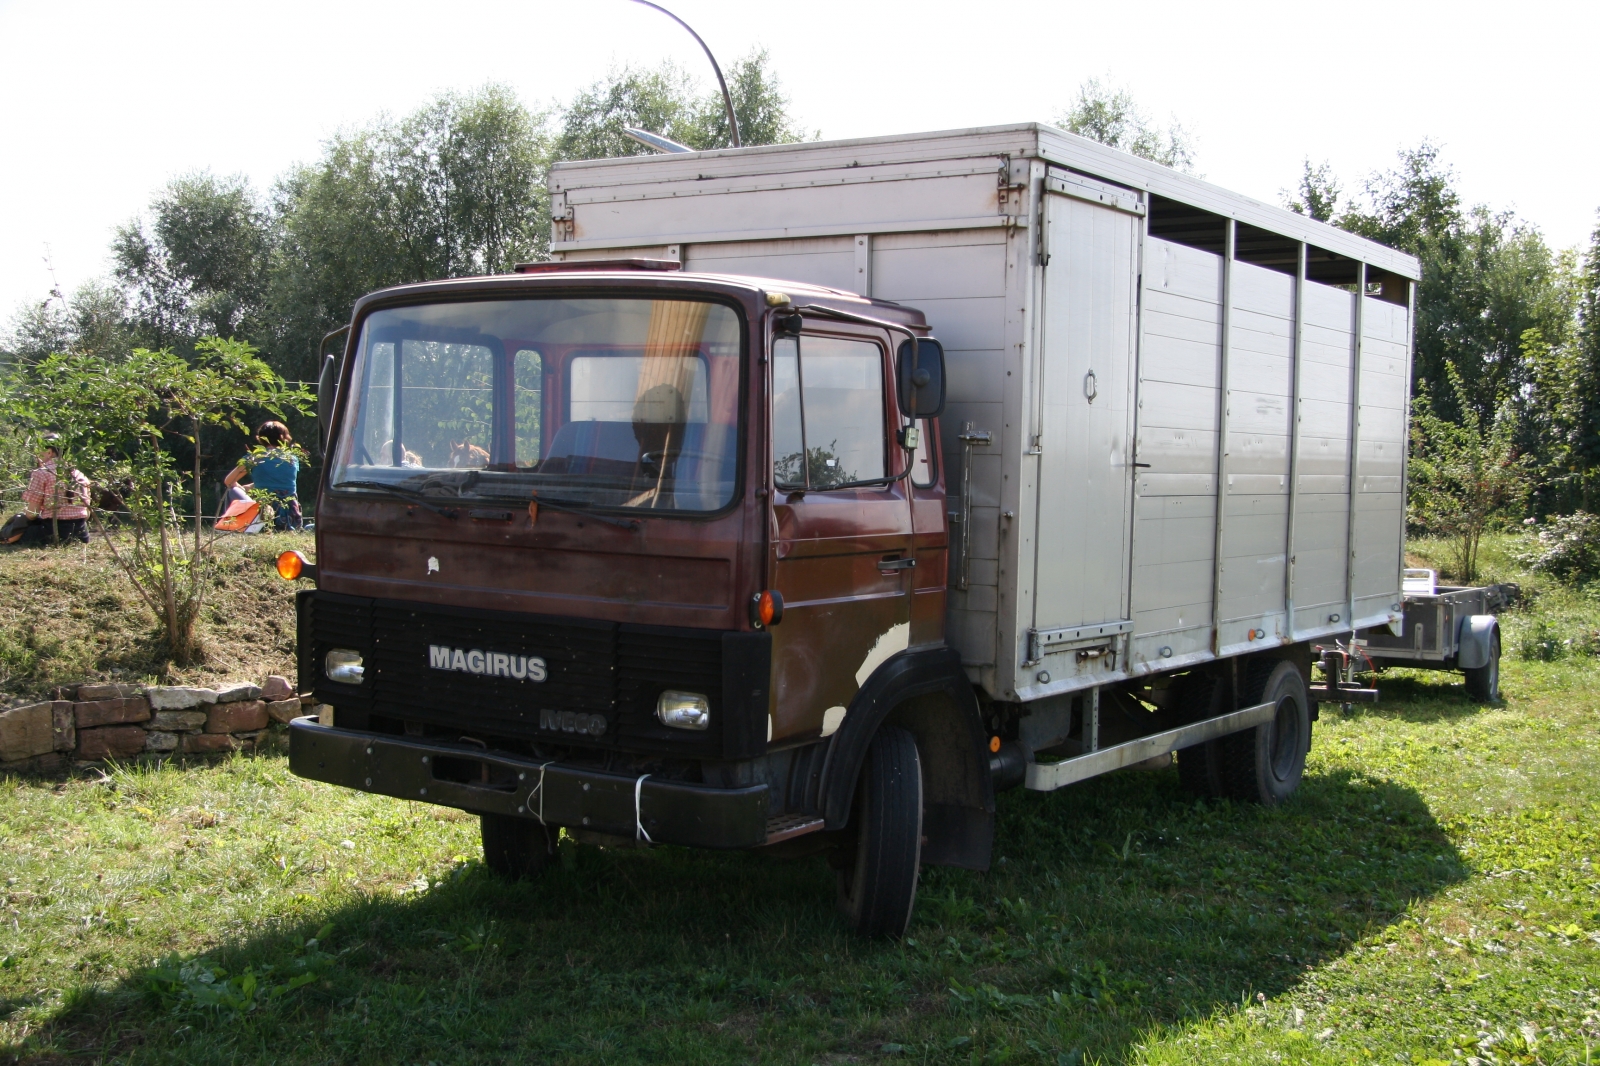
(90, 723)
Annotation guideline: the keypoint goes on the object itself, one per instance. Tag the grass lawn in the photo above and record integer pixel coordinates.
(1431, 894)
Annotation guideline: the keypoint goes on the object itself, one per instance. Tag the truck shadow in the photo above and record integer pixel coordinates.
(1115, 906)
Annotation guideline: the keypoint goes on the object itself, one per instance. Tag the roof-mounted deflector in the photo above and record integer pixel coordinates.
(598, 264)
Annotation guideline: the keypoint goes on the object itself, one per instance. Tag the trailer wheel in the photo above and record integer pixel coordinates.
(1200, 766)
(878, 881)
(1483, 683)
(516, 849)
(1264, 765)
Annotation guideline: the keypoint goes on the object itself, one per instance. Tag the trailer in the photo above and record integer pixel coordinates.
(1446, 627)
(814, 492)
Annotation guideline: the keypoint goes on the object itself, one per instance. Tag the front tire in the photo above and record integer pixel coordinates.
(1264, 765)
(1483, 682)
(516, 849)
(878, 884)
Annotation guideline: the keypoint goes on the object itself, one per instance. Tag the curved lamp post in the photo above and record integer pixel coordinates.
(727, 99)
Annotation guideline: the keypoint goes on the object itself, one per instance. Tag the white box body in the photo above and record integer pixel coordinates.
(1172, 477)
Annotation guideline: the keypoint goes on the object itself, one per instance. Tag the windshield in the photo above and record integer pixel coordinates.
(628, 403)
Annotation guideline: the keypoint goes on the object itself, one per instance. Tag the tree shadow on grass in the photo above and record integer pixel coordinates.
(1115, 906)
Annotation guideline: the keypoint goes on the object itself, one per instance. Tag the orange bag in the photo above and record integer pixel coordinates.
(239, 516)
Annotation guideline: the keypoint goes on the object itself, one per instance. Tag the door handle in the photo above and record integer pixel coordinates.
(890, 564)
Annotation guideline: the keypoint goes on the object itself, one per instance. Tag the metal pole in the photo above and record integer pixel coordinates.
(1226, 338)
(727, 98)
(1296, 373)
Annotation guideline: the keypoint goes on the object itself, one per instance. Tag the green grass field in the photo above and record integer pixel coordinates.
(1430, 895)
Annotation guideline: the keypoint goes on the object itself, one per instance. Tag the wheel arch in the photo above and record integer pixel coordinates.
(925, 691)
(1475, 641)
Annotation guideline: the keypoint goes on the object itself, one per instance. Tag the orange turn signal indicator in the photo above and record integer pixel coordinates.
(994, 744)
(292, 565)
(766, 608)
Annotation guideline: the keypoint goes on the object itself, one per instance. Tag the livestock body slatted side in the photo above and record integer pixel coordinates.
(1256, 498)
(1175, 508)
(1322, 482)
(1380, 460)
(826, 261)
(957, 278)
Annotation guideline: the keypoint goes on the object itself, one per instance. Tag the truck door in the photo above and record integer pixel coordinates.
(841, 538)
(1085, 420)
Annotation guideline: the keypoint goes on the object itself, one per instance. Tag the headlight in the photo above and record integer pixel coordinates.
(344, 666)
(683, 710)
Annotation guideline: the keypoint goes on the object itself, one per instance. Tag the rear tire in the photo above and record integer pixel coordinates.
(1200, 766)
(1483, 682)
(1264, 765)
(516, 849)
(878, 884)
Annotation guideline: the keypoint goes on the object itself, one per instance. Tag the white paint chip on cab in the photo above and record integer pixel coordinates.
(896, 640)
(832, 719)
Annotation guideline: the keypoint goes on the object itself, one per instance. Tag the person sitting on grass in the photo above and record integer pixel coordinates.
(56, 512)
(273, 473)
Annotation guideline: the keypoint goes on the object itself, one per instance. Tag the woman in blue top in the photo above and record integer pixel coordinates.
(274, 473)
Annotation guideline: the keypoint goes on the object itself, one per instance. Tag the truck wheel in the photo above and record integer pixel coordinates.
(1264, 765)
(1483, 682)
(878, 884)
(516, 849)
(1200, 767)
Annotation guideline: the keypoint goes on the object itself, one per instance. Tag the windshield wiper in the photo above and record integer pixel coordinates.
(577, 508)
(409, 495)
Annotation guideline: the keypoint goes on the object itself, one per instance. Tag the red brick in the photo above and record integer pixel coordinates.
(241, 716)
(89, 693)
(206, 743)
(110, 741)
(112, 712)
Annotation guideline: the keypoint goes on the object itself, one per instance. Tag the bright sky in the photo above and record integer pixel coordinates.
(105, 101)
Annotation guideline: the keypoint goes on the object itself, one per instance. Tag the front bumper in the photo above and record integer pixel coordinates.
(671, 812)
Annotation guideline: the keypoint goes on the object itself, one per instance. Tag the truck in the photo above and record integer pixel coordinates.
(811, 494)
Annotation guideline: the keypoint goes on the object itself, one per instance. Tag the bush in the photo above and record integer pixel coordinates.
(1569, 548)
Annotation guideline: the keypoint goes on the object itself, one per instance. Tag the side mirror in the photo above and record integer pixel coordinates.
(327, 394)
(328, 385)
(922, 379)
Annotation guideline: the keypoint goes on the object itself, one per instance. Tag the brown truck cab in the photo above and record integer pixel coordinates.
(647, 556)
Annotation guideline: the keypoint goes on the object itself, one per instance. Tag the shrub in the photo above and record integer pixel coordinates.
(1569, 548)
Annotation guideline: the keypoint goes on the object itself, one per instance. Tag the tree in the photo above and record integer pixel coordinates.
(1318, 194)
(125, 417)
(1108, 114)
(668, 101)
(95, 322)
(1465, 476)
(454, 189)
(200, 267)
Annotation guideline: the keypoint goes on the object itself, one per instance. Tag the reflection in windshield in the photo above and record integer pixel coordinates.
(604, 402)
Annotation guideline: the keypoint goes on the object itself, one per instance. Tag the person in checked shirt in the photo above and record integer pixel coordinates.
(57, 510)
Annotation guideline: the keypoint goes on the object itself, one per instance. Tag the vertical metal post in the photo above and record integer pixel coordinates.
(1355, 447)
(1230, 235)
(863, 250)
(1405, 427)
(962, 515)
(1297, 358)
(1091, 728)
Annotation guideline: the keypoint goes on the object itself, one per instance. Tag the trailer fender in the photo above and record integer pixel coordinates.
(1475, 641)
(925, 691)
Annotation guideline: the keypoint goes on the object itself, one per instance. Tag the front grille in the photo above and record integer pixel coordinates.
(596, 672)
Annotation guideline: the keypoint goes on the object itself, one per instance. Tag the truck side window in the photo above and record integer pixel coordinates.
(923, 474)
(528, 381)
(827, 412)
